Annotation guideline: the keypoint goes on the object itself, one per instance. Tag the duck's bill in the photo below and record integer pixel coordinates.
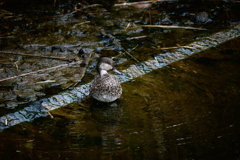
(116, 71)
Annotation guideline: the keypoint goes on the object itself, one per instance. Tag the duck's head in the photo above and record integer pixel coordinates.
(105, 64)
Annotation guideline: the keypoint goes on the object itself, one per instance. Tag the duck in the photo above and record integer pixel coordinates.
(105, 87)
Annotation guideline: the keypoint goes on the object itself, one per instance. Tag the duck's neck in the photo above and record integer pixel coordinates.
(103, 72)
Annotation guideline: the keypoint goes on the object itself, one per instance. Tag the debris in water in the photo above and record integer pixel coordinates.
(173, 27)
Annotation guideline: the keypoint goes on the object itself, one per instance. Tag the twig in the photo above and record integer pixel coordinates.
(41, 70)
(143, 2)
(84, 69)
(169, 48)
(79, 10)
(5, 12)
(6, 122)
(197, 45)
(8, 16)
(86, 2)
(133, 48)
(188, 47)
(127, 26)
(181, 47)
(82, 23)
(21, 54)
(48, 112)
(174, 27)
(16, 64)
(99, 13)
(47, 81)
(4, 26)
(156, 59)
(12, 64)
(130, 55)
(135, 37)
(178, 47)
(29, 141)
(7, 64)
(7, 37)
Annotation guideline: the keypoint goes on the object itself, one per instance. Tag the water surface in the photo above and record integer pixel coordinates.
(187, 110)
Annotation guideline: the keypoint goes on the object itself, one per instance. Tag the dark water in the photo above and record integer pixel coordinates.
(188, 110)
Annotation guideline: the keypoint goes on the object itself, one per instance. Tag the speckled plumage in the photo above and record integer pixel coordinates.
(106, 87)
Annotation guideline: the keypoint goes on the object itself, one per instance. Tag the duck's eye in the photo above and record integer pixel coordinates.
(108, 62)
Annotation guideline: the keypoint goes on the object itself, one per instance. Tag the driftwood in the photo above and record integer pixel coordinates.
(58, 58)
(41, 70)
(171, 27)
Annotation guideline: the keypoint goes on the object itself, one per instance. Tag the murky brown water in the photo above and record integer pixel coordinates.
(188, 110)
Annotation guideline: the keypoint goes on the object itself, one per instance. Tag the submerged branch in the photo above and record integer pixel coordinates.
(21, 54)
(174, 27)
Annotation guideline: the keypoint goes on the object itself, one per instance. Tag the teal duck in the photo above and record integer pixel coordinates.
(105, 87)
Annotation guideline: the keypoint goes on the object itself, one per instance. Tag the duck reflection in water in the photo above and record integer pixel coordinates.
(104, 88)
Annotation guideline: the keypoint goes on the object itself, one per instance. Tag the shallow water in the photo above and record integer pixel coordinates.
(187, 110)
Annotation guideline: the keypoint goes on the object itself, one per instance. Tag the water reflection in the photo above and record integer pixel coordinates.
(107, 117)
